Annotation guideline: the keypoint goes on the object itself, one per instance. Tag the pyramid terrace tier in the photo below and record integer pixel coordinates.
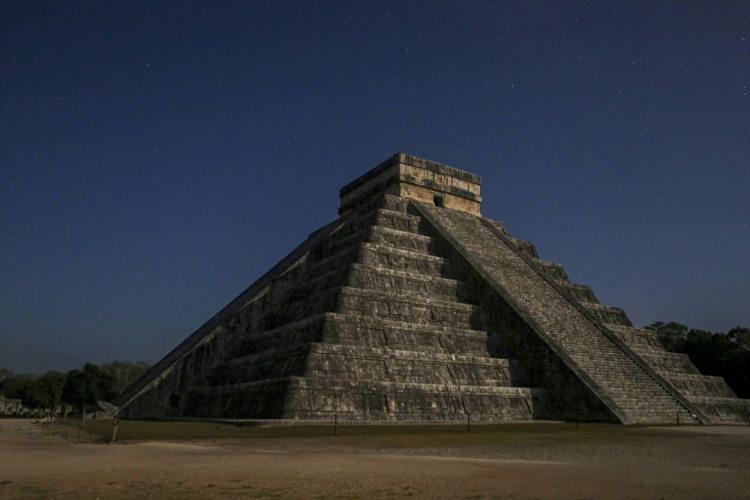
(409, 307)
(317, 398)
(697, 386)
(349, 362)
(668, 362)
(608, 314)
(582, 293)
(354, 232)
(725, 410)
(371, 277)
(345, 329)
(637, 338)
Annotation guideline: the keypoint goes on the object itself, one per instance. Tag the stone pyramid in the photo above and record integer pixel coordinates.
(412, 306)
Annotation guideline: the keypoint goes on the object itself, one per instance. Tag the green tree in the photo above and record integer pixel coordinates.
(15, 387)
(672, 334)
(87, 386)
(57, 378)
(125, 373)
(41, 394)
(724, 355)
(741, 336)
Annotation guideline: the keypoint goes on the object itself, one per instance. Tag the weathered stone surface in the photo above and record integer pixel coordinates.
(412, 307)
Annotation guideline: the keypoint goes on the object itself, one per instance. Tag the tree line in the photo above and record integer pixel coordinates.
(723, 354)
(78, 387)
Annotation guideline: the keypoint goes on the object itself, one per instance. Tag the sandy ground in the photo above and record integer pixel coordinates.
(684, 463)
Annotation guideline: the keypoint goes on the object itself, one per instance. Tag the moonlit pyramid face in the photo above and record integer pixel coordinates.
(411, 306)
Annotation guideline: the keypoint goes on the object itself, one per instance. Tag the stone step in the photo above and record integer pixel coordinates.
(380, 256)
(403, 305)
(387, 202)
(526, 247)
(288, 336)
(367, 399)
(399, 354)
(403, 260)
(608, 314)
(693, 385)
(437, 376)
(355, 329)
(372, 277)
(408, 307)
(334, 368)
(360, 228)
(374, 386)
(373, 352)
(724, 410)
(404, 240)
(394, 220)
(368, 337)
(636, 337)
(393, 324)
(349, 235)
(582, 293)
(382, 278)
(343, 258)
(414, 418)
(416, 401)
(667, 362)
(552, 270)
(411, 286)
(424, 343)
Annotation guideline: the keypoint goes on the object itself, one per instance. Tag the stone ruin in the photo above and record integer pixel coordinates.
(12, 407)
(411, 306)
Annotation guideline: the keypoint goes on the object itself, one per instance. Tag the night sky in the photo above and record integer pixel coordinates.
(156, 158)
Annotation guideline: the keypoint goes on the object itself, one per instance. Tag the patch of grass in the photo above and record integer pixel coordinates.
(33, 491)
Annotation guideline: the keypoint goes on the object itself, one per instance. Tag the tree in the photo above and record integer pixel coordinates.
(33, 391)
(724, 355)
(41, 393)
(125, 373)
(672, 334)
(14, 387)
(87, 386)
(741, 336)
(57, 378)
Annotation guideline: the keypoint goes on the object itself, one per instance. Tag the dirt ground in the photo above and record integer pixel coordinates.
(533, 462)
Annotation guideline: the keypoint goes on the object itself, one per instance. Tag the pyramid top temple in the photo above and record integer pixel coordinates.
(407, 176)
(412, 306)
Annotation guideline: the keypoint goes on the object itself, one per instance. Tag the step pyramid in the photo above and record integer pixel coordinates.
(412, 306)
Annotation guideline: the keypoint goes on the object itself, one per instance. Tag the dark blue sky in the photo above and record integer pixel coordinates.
(158, 157)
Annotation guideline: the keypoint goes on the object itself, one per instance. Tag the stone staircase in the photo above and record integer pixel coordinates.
(710, 394)
(632, 391)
